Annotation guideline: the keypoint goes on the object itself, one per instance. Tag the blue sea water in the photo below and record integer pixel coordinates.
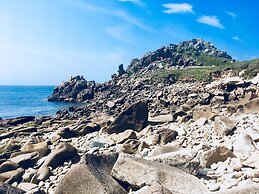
(18, 101)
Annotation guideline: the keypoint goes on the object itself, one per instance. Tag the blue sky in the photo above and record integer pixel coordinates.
(43, 42)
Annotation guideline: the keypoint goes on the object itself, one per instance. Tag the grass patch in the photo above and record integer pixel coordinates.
(251, 68)
(205, 73)
(211, 60)
(201, 74)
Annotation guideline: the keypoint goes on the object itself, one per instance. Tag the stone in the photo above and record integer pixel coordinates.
(134, 117)
(142, 146)
(28, 175)
(43, 173)
(8, 189)
(161, 119)
(121, 70)
(184, 159)
(66, 133)
(91, 175)
(85, 94)
(229, 183)
(220, 153)
(130, 146)
(41, 148)
(200, 122)
(86, 128)
(217, 100)
(243, 144)
(124, 136)
(12, 145)
(138, 172)
(11, 176)
(223, 125)
(110, 104)
(154, 189)
(164, 149)
(8, 166)
(27, 186)
(214, 187)
(25, 160)
(203, 114)
(167, 136)
(19, 120)
(252, 106)
(62, 153)
(244, 189)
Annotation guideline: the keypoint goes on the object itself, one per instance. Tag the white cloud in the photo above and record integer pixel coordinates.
(137, 2)
(233, 15)
(237, 38)
(178, 8)
(211, 21)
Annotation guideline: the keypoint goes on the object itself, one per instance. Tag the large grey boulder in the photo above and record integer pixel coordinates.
(139, 172)
(91, 175)
(134, 117)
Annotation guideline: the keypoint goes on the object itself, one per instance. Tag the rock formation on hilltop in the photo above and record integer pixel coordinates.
(195, 52)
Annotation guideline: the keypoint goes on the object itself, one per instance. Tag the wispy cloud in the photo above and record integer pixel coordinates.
(211, 21)
(172, 8)
(136, 2)
(126, 17)
(121, 14)
(233, 15)
(237, 38)
(119, 33)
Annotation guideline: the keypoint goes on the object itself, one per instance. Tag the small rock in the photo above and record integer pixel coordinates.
(223, 125)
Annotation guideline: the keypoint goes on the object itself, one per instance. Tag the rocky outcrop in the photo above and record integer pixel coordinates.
(75, 89)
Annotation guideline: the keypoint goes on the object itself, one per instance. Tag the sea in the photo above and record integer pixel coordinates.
(16, 101)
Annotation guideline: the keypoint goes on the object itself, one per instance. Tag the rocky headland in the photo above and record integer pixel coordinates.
(182, 119)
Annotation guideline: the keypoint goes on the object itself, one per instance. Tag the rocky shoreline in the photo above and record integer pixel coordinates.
(138, 135)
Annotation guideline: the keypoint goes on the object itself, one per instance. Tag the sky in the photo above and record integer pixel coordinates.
(43, 42)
